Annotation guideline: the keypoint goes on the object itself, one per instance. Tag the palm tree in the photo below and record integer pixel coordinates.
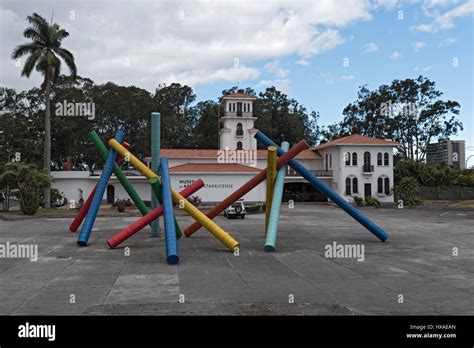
(45, 53)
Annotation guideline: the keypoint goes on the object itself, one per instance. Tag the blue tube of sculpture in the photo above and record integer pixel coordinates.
(331, 194)
(168, 214)
(272, 230)
(99, 193)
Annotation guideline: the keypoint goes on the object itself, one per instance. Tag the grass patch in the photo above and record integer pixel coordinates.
(466, 204)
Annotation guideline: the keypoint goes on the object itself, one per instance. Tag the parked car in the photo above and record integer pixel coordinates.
(237, 209)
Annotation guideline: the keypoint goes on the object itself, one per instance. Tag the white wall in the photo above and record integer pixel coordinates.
(230, 139)
(218, 185)
(357, 171)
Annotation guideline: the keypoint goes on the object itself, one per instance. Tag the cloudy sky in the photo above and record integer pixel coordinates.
(318, 52)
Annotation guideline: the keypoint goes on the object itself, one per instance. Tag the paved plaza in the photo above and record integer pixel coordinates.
(426, 267)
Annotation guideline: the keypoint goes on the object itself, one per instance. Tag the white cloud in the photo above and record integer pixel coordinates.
(447, 42)
(193, 77)
(417, 46)
(326, 78)
(425, 69)
(395, 55)
(282, 85)
(388, 4)
(275, 68)
(424, 28)
(182, 41)
(321, 42)
(370, 47)
(347, 77)
(446, 20)
(302, 62)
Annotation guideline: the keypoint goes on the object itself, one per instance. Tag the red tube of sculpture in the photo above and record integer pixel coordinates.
(85, 208)
(248, 186)
(152, 215)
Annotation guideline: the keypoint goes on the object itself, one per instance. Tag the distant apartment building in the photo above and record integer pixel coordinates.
(450, 152)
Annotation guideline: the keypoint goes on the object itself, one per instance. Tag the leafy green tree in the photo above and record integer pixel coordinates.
(407, 189)
(408, 111)
(29, 181)
(69, 133)
(281, 118)
(45, 54)
(125, 108)
(177, 117)
(205, 133)
(21, 125)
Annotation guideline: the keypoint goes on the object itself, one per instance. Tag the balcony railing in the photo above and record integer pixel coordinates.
(319, 173)
(368, 168)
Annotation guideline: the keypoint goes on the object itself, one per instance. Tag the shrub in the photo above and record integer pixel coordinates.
(57, 198)
(254, 208)
(29, 180)
(372, 201)
(414, 201)
(359, 201)
(120, 204)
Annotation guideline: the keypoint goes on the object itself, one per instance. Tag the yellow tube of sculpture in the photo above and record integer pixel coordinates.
(182, 202)
(271, 176)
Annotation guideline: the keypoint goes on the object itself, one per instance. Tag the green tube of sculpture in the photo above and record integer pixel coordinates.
(155, 165)
(120, 175)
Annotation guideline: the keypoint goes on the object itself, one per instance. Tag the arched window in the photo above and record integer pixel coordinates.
(348, 186)
(387, 186)
(229, 107)
(355, 186)
(330, 160)
(385, 159)
(348, 158)
(354, 158)
(239, 145)
(327, 162)
(379, 159)
(380, 185)
(367, 166)
(239, 129)
(367, 158)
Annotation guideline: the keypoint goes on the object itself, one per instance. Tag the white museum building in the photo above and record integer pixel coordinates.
(355, 165)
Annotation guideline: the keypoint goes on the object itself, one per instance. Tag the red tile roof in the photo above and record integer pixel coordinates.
(213, 168)
(238, 96)
(356, 139)
(208, 153)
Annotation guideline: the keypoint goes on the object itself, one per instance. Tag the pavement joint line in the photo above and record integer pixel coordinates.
(306, 279)
(115, 281)
(44, 285)
(241, 278)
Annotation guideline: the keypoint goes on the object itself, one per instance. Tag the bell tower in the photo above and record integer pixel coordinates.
(237, 125)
